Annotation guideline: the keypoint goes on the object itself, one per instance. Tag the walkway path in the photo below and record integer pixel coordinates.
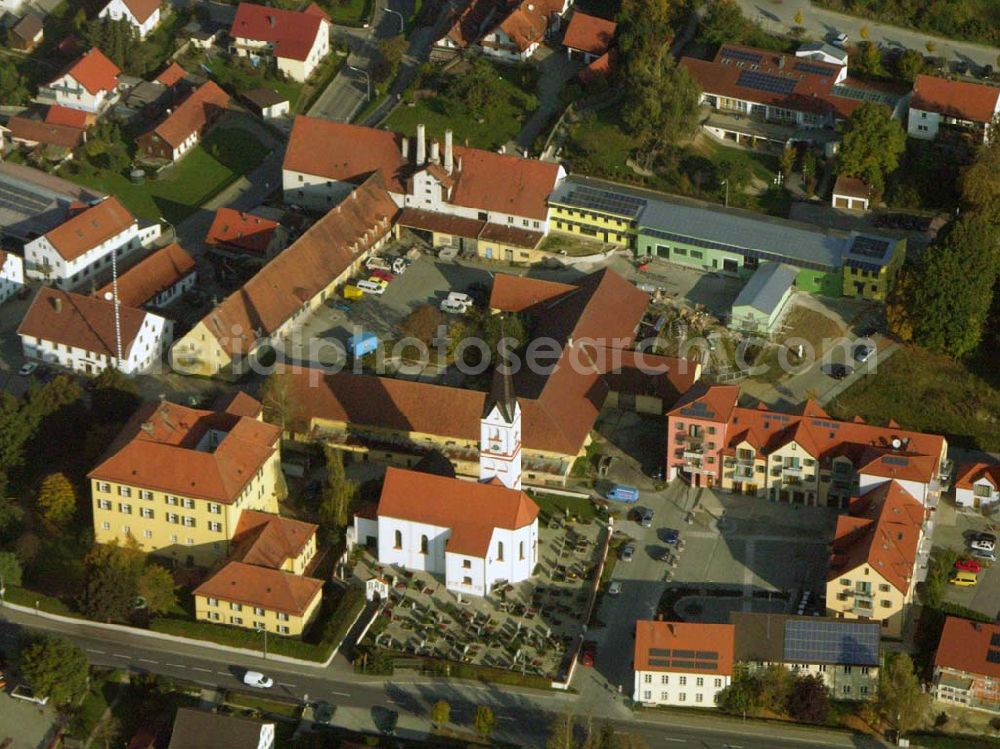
(554, 71)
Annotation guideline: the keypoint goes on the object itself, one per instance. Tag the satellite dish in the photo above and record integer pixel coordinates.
(896, 443)
(109, 296)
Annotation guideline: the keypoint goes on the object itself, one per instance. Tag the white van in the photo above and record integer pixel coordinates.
(371, 287)
(453, 308)
(257, 679)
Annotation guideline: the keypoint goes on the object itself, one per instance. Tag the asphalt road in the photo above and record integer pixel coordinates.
(522, 715)
(779, 16)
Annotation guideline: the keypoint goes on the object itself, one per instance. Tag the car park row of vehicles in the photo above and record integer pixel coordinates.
(381, 272)
(982, 547)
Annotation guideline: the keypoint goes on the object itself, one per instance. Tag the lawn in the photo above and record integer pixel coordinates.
(236, 74)
(224, 155)
(264, 706)
(552, 504)
(511, 102)
(929, 393)
(348, 12)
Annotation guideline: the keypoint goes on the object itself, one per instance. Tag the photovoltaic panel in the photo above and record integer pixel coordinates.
(864, 94)
(584, 196)
(16, 199)
(892, 460)
(742, 55)
(848, 643)
(806, 67)
(767, 82)
(870, 247)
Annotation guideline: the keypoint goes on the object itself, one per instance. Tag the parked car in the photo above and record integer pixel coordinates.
(983, 542)
(382, 275)
(628, 552)
(459, 297)
(615, 588)
(453, 308)
(969, 565)
(840, 39)
(258, 680)
(27, 368)
(964, 579)
(670, 536)
(352, 292)
(371, 287)
(377, 263)
(646, 518)
(343, 306)
(863, 352)
(588, 653)
(986, 556)
(622, 493)
(840, 371)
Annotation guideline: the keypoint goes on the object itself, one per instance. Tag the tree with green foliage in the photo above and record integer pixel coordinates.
(157, 587)
(441, 713)
(423, 323)
(117, 39)
(809, 699)
(740, 697)
(484, 721)
(810, 171)
(774, 685)
(909, 65)
(980, 182)
(339, 494)
(111, 580)
(788, 159)
(661, 106)
(735, 171)
(476, 90)
(11, 517)
(10, 568)
(561, 732)
(871, 144)
(723, 23)
(952, 289)
(114, 396)
(868, 60)
(644, 27)
(390, 55)
(57, 500)
(900, 699)
(13, 87)
(105, 148)
(55, 668)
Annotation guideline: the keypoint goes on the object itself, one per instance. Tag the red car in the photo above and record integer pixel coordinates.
(969, 565)
(383, 274)
(588, 653)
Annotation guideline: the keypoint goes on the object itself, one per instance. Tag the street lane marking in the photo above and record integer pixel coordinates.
(147, 660)
(92, 650)
(119, 655)
(204, 670)
(678, 741)
(341, 694)
(175, 665)
(283, 684)
(224, 673)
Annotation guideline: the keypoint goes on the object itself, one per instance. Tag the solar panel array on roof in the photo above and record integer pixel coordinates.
(872, 247)
(698, 409)
(17, 199)
(864, 94)
(807, 67)
(848, 643)
(758, 81)
(620, 204)
(895, 461)
(742, 55)
(700, 660)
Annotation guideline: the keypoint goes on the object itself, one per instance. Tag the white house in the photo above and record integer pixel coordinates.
(298, 41)
(78, 249)
(958, 105)
(90, 84)
(143, 15)
(156, 281)
(682, 663)
(81, 333)
(474, 535)
(11, 275)
(977, 485)
(851, 193)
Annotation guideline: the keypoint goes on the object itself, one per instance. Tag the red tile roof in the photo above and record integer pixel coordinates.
(852, 187)
(306, 267)
(80, 321)
(77, 118)
(969, 473)
(142, 9)
(965, 645)
(468, 25)
(961, 99)
(292, 34)
(270, 540)
(89, 228)
(269, 589)
(588, 33)
(152, 275)
(518, 293)
(157, 450)
(882, 530)
(193, 115)
(444, 502)
(486, 180)
(598, 69)
(94, 72)
(527, 23)
(171, 75)
(240, 404)
(706, 640)
(49, 134)
(243, 230)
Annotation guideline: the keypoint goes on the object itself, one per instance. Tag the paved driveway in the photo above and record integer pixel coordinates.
(952, 530)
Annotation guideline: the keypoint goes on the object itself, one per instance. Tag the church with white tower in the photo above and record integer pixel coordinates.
(476, 535)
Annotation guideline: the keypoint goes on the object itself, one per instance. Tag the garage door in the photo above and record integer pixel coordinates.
(662, 250)
(841, 203)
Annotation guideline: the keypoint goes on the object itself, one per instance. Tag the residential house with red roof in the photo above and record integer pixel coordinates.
(473, 200)
(961, 106)
(758, 94)
(967, 664)
(142, 15)
(588, 37)
(806, 457)
(84, 333)
(977, 485)
(297, 40)
(185, 126)
(156, 281)
(686, 664)
(510, 30)
(246, 235)
(75, 251)
(90, 84)
(879, 553)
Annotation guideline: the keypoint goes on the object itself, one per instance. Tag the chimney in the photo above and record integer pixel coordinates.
(421, 146)
(57, 303)
(459, 164)
(405, 146)
(448, 163)
(270, 21)
(781, 62)
(435, 152)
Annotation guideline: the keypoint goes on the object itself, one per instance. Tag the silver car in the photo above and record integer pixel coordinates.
(628, 551)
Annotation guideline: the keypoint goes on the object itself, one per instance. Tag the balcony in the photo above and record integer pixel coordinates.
(864, 605)
(694, 452)
(792, 470)
(743, 473)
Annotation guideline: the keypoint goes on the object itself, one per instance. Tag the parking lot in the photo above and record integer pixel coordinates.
(759, 556)
(953, 528)
(28, 725)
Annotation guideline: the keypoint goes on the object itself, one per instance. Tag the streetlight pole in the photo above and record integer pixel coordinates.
(402, 21)
(264, 630)
(368, 81)
(726, 183)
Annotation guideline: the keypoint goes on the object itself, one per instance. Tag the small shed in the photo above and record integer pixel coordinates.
(761, 302)
(266, 103)
(27, 33)
(851, 193)
(362, 343)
